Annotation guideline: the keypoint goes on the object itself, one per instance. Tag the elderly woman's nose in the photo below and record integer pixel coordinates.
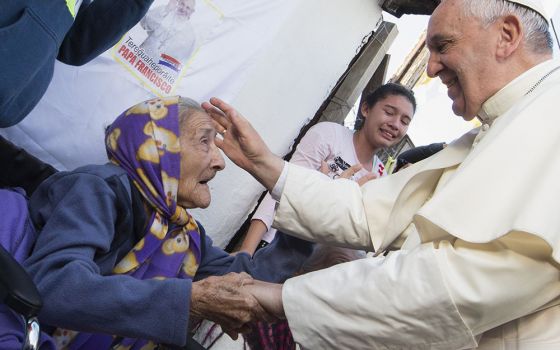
(218, 162)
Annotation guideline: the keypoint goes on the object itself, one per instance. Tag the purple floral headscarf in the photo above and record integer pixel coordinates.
(144, 141)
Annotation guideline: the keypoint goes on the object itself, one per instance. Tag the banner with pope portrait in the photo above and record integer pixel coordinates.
(158, 51)
(193, 48)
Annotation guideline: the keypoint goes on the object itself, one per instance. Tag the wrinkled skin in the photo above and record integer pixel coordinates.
(472, 69)
(200, 161)
(226, 301)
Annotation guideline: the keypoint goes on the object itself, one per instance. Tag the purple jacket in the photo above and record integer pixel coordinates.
(16, 236)
(88, 222)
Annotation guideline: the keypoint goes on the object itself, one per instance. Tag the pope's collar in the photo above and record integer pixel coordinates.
(504, 99)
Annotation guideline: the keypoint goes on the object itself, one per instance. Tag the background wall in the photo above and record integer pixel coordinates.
(298, 50)
(292, 79)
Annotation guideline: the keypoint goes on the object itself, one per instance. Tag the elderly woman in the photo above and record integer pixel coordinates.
(118, 259)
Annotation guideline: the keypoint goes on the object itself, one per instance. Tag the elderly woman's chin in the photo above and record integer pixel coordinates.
(197, 197)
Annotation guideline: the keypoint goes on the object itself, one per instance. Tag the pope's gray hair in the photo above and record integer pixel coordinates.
(537, 36)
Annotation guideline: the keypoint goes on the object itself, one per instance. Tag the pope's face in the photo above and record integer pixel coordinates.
(184, 7)
(461, 56)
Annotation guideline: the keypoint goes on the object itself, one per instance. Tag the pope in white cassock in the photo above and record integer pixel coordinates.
(169, 30)
(472, 233)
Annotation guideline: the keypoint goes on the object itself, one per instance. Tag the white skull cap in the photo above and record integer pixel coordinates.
(536, 5)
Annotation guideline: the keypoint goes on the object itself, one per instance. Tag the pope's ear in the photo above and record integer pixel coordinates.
(510, 36)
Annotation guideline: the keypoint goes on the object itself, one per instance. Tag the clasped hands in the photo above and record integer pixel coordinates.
(235, 300)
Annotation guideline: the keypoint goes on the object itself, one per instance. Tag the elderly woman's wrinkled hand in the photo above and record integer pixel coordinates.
(242, 144)
(224, 300)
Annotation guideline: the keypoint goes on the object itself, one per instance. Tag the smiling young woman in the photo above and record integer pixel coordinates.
(332, 148)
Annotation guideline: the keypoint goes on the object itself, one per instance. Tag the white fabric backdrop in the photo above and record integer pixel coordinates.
(66, 128)
(275, 61)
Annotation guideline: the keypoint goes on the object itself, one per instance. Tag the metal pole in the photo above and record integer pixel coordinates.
(555, 33)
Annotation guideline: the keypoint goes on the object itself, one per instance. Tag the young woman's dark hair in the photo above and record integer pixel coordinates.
(380, 93)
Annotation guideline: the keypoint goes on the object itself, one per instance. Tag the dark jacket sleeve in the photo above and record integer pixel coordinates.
(77, 213)
(278, 261)
(21, 169)
(98, 26)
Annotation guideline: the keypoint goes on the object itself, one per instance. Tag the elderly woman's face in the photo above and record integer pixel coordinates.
(200, 160)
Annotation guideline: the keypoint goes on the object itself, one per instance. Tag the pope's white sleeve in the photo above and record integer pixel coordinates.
(491, 284)
(315, 208)
(395, 302)
(424, 298)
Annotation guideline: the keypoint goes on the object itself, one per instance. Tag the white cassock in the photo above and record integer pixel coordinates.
(169, 33)
(473, 234)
